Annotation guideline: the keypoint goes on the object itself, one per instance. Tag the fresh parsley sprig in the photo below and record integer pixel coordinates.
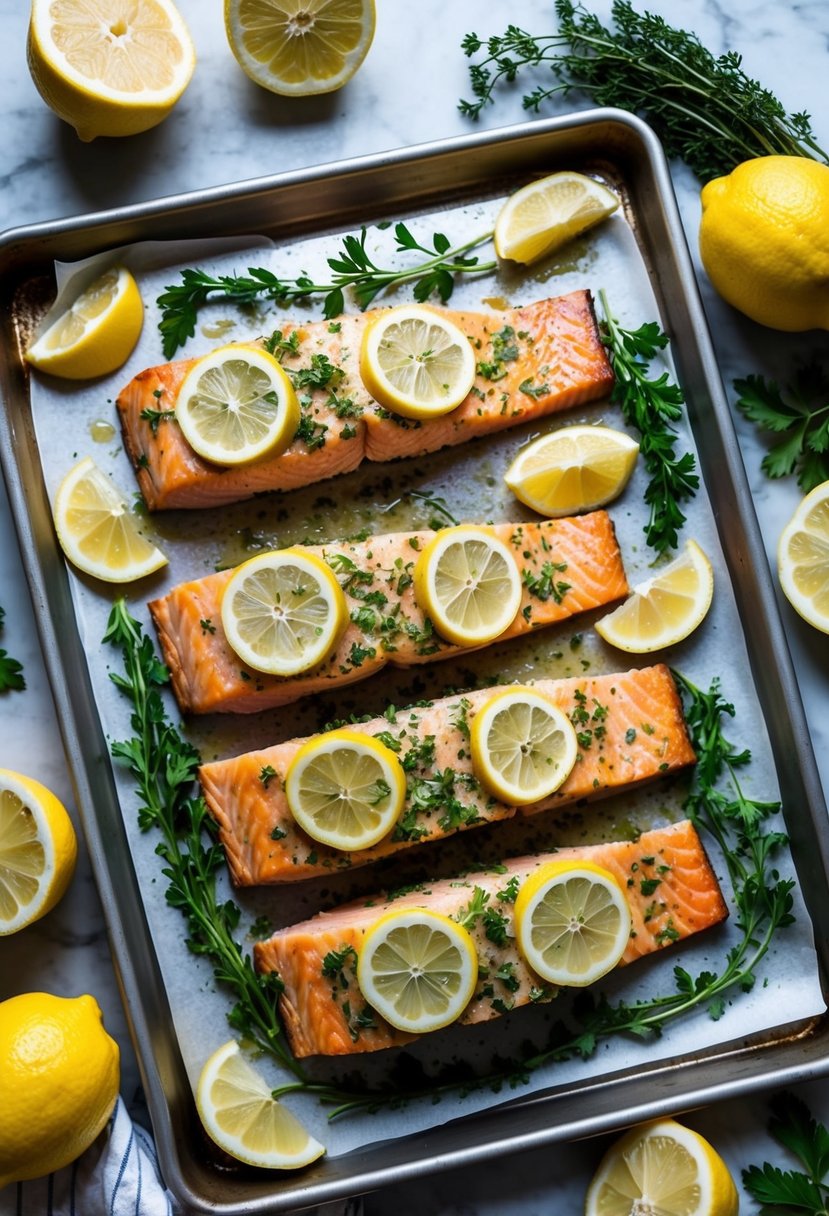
(11, 670)
(652, 405)
(800, 419)
(705, 108)
(354, 270)
(789, 1192)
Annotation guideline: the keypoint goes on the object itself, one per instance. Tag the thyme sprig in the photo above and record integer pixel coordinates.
(354, 270)
(705, 108)
(652, 405)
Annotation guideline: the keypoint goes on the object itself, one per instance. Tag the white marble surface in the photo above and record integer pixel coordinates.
(225, 129)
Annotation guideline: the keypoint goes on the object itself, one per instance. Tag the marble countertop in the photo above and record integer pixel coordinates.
(224, 130)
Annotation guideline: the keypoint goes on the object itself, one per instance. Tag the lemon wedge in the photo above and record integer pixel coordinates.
(237, 405)
(299, 49)
(418, 969)
(345, 789)
(468, 582)
(662, 1167)
(803, 558)
(96, 334)
(96, 530)
(544, 215)
(109, 67)
(664, 609)
(523, 747)
(38, 849)
(283, 612)
(577, 468)
(240, 1114)
(416, 362)
(572, 922)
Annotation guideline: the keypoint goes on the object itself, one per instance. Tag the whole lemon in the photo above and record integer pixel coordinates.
(59, 1076)
(764, 240)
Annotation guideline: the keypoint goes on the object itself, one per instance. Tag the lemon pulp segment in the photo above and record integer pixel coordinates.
(96, 334)
(543, 215)
(803, 558)
(666, 608)
(576, 468)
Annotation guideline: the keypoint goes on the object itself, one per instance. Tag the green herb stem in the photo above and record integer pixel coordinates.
(11, 670)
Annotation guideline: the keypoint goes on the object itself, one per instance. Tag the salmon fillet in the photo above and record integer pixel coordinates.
(629, 726)
(567, 565)
(671, 889)
(532, 361)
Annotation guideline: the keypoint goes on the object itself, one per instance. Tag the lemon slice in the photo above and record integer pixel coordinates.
(96, 530)
(577, 468)
(96, 334)
(523, 747)
(38, 849)
(237, 405)
(416, 362)
(468, 582)
(299, 49)
(572, 922)
(283, 612)
(240, 1114)
(109, 67)
(345, 789)
(418, 969)
(666, 608)
(544, 215)
(662, 1167)
(803, 558)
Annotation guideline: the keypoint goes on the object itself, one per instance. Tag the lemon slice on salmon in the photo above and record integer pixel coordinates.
(416, 362)
(283, 612)
(666, 608)
(96, 530)
(803, 558)
(544, 215)
(345, 789)
(523, 747)
(240, 1114)
(237, 405)
(38, 849)
(418, 969)
(96, 334)
(572, 922)
(576, 468)
(468, 582)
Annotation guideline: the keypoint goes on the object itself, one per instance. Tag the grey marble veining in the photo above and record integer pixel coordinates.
(226, 129)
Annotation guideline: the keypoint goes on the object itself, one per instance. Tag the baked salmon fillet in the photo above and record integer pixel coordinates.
(532, 361)
(629, 727)
(567, 566)
(671, 890)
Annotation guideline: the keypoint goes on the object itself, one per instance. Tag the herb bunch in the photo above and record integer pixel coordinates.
(11, 670)
(705, 108)
(788, 1192)
(651, 405)
(354, 270)
(800, 419)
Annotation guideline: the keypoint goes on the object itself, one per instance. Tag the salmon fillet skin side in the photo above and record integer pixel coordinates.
(630, 729)
(532, 361)
(671, 890)
(567, 566)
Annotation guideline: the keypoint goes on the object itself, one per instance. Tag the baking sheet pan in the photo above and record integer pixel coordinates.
(305, 205)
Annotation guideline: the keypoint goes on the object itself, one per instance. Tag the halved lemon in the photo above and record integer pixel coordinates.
(345, 789)
(468, 582)
(803, 558)
(96, 334)
(38, 850)
(96, 530)
(300, 47)
(109, 67)
(572, 922)
(283, 612)
(576, 468)
(240, 1114)
(664, 609)
(237, 405)
(662, 1167)
(418, 969)
(523, 746)
(545, 214)
(416, 362)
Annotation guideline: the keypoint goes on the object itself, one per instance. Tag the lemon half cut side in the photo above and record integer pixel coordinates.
(96, 334)
(38, 850)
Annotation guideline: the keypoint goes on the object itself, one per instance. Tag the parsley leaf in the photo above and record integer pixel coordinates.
(801, 419)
